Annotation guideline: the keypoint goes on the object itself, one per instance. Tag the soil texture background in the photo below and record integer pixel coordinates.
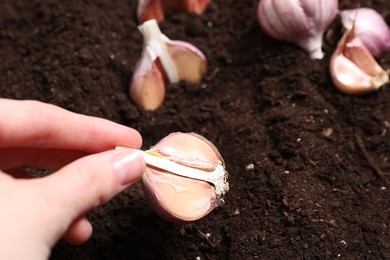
(308, 166)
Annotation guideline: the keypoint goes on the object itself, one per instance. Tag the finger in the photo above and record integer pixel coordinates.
(52, 159)
(36, 124)
(89, 182)
(79, 231)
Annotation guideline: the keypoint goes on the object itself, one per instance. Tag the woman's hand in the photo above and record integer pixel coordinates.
(36, 212)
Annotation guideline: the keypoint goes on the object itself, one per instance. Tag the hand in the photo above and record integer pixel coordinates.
(36, 212)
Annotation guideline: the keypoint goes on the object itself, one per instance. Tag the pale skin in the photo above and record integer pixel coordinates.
(37, 212)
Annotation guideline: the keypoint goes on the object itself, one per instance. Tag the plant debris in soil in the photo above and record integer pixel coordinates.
(309, 167)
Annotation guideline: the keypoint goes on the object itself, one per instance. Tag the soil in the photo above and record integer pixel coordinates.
(308, 166)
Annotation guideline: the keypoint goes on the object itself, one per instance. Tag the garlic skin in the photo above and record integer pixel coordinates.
(370, 27)
(302, 22)
(155, 9)
(163, 61)
(353, 69)
(178, 198)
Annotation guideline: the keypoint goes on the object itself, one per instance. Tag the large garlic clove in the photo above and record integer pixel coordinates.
(353, 69)
(163, 61)
(155, 9)
(185, 177)
(370, 27)
(302, 22)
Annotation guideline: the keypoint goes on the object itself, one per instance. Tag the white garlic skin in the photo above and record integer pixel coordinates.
(302, 22)
(370, 27)
(176, 198)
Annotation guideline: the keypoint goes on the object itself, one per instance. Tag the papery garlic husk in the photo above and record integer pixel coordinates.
(370, 27)
(180, 198)
(302, 22)
(353, 69)
(155, 9)
(163, 61)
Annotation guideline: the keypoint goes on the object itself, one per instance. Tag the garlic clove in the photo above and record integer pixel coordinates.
(190, 63)
(176, 198)
(185, 177)
(349, 78)
(155, 9)
(189, 149)
(195, 6)
(150, 9)
(302, 22)
(163, 61)
(353, 69)
(148, 89)
(356, 51)
(370, 27)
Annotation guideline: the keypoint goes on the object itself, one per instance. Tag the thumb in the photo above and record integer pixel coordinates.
(90, 182)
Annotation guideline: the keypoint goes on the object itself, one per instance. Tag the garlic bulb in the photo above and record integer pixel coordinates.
(302, 22)
(353, 69)
(370, 27)
(185, 177)
(162, 61)
(155, 9)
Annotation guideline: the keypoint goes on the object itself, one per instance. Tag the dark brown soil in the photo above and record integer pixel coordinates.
(321, 160)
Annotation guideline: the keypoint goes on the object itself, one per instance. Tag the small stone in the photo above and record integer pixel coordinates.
(327, 132)
(250, 167)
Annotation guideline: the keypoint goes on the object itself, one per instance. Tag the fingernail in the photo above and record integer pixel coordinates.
(129, 167)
